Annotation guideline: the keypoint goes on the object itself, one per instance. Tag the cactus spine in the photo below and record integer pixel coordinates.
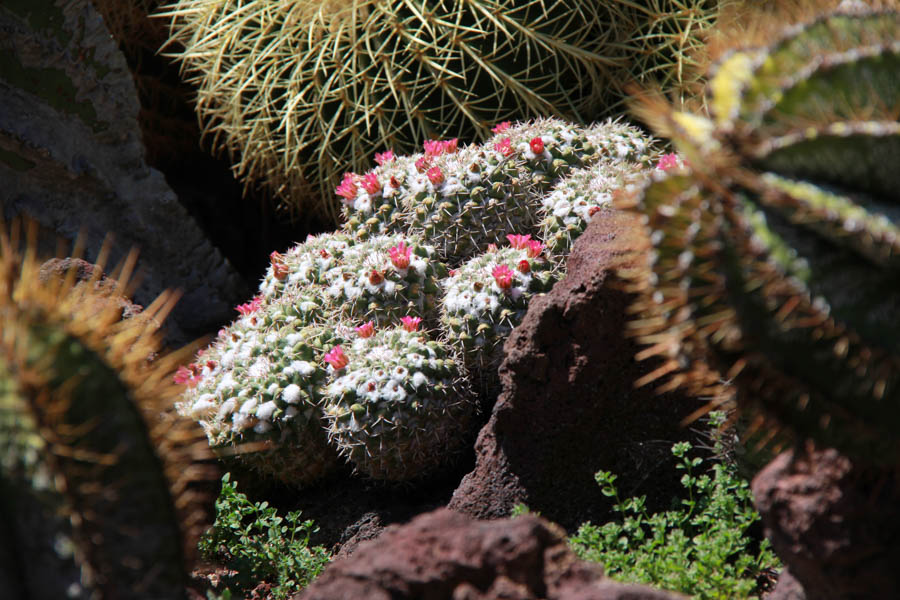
(93, 457)
(774, 257)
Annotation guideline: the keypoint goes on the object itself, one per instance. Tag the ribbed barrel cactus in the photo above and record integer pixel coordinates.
(774, 274)
(299, 91)
(97, 474)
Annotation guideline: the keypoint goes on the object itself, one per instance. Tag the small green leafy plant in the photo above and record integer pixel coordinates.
(700, 548)
(260, 546)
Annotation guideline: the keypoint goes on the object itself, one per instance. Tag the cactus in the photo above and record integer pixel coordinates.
(397, 406)
(488, 296)
(298, 90)
(98, 476)
(463, 200)
(774, 253)
(381, 278)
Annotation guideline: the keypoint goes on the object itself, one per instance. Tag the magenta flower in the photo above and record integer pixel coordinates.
(519, 241)
(336, 358)
(433, 147)
(423, 163)
(370, 183)
(450, 146)
(501, 127)
(503, 276)
(537, 145)
(384, 157)
(400, 255)
(188, 376)
(249, 307)
(667, 161)
(534, 248)
(504, 146)
(411, 323)
(524, 266)
(348, 188)
(366, 330)
(435, 175)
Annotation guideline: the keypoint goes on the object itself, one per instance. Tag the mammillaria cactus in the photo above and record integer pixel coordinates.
(398, 402)
(299, 90)
(488, 296)
(257, 394)
(337, 277)
(774, 255)
(98, 475)
(463, 199)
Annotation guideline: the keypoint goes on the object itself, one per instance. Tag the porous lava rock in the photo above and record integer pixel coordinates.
(569, 405)
(446, 555)
(86, 273)
(835, 526)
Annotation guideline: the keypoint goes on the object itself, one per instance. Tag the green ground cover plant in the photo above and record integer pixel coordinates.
(702, 547)
(257, 545)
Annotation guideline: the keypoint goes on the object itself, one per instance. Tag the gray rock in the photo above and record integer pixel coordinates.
(71, 158)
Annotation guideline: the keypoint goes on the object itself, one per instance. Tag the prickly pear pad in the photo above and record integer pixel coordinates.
(399, 406)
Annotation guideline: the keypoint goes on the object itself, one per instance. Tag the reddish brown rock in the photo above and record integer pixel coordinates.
(85, 273)
(569, 407)
(836, 527)
(446, 555)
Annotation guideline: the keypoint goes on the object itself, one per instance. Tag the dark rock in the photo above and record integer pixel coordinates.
(835, 526)
(444, 554)
(569, 406)
(787, 588)
(85, 272)
(72, 159)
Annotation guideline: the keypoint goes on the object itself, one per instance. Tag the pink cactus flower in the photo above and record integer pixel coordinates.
(504, 146)
(433, 147)
(534, 248)
(537, 145)
(524, 266)
(492, 247)
(411, 323)
(667, 161)
(501, 127)
(400, 255)
(375, 278)
(189, 375)
(348, 188)
(336, 358)
(435, 175)
(423, 163)
(384, 157)
(279, 268)
(453, 272)
(250, 307)
(394, 183)
(366, 330)
(519, 241)
(503, 276)
(370, 183)
(450, 146)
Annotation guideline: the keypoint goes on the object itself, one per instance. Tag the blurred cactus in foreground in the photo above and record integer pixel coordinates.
(98, 476)
(774, 274)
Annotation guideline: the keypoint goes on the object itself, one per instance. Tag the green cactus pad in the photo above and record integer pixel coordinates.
(399, 408)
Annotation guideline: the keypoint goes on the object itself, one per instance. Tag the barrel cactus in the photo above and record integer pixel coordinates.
(98, 475)
(774, 252)
(299, 91)
(398, 404)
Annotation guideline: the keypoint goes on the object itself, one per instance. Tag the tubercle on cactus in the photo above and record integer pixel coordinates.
(99, 393)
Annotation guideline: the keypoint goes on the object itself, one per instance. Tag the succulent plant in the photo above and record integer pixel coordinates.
(773, 254)
(488, 296)
(332, 277)
(257, 393)
(298, 91)
(464, 199)
(397, 405)
(98, 475)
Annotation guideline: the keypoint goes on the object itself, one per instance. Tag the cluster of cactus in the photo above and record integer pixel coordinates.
(773, 277)
(299, 90)
(98, 475)
(363, 343)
